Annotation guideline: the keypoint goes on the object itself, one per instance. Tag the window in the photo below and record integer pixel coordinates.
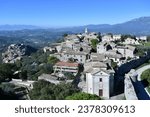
(100, 80)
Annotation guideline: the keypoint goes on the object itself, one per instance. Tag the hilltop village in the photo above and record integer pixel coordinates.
(96, 64)
(92, 58)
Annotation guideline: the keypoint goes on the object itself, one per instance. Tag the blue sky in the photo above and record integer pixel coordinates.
(71, 12)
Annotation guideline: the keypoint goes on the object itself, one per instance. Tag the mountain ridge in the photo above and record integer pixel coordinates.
(137, 26)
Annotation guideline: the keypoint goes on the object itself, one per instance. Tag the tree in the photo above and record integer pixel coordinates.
(69, 76)
(94, 43)
(45, 90)
(7, 92)
(146, 75)
(99, 37)
(46, 68)
(7, 87)
(52, 59)
(23, 75)
(129, 58)
(65, 35)
(7, 71)
(60, 40)
(139, 52)
(2, 78)
(35, 65)
(113, 64)
(148, 38)
(123, 37)
(83, 96)
(18, 64)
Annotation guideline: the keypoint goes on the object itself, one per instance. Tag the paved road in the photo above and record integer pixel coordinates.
(143, 93)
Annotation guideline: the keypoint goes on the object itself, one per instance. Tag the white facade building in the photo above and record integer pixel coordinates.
(100, 82)
(116, 37)
(99, 79)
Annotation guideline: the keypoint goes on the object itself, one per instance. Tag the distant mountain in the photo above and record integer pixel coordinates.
(18, 27)
(138, 26)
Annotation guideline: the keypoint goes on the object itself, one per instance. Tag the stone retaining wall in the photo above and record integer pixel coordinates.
(129, 90)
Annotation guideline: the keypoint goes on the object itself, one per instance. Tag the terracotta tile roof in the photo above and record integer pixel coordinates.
(68, 64)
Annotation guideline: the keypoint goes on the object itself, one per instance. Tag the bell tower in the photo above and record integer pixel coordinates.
(86, 30)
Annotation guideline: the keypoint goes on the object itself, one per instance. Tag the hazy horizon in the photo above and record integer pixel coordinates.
(49, 26)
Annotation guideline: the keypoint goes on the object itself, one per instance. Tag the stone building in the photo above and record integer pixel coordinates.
(105, 46)
(79, 57)
(127, 51)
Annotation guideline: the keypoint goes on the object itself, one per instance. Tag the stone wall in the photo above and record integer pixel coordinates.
(129, 90)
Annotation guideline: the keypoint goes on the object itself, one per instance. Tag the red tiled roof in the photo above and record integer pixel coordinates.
(67, 64)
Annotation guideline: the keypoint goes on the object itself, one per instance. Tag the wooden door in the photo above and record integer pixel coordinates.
(100, 92)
